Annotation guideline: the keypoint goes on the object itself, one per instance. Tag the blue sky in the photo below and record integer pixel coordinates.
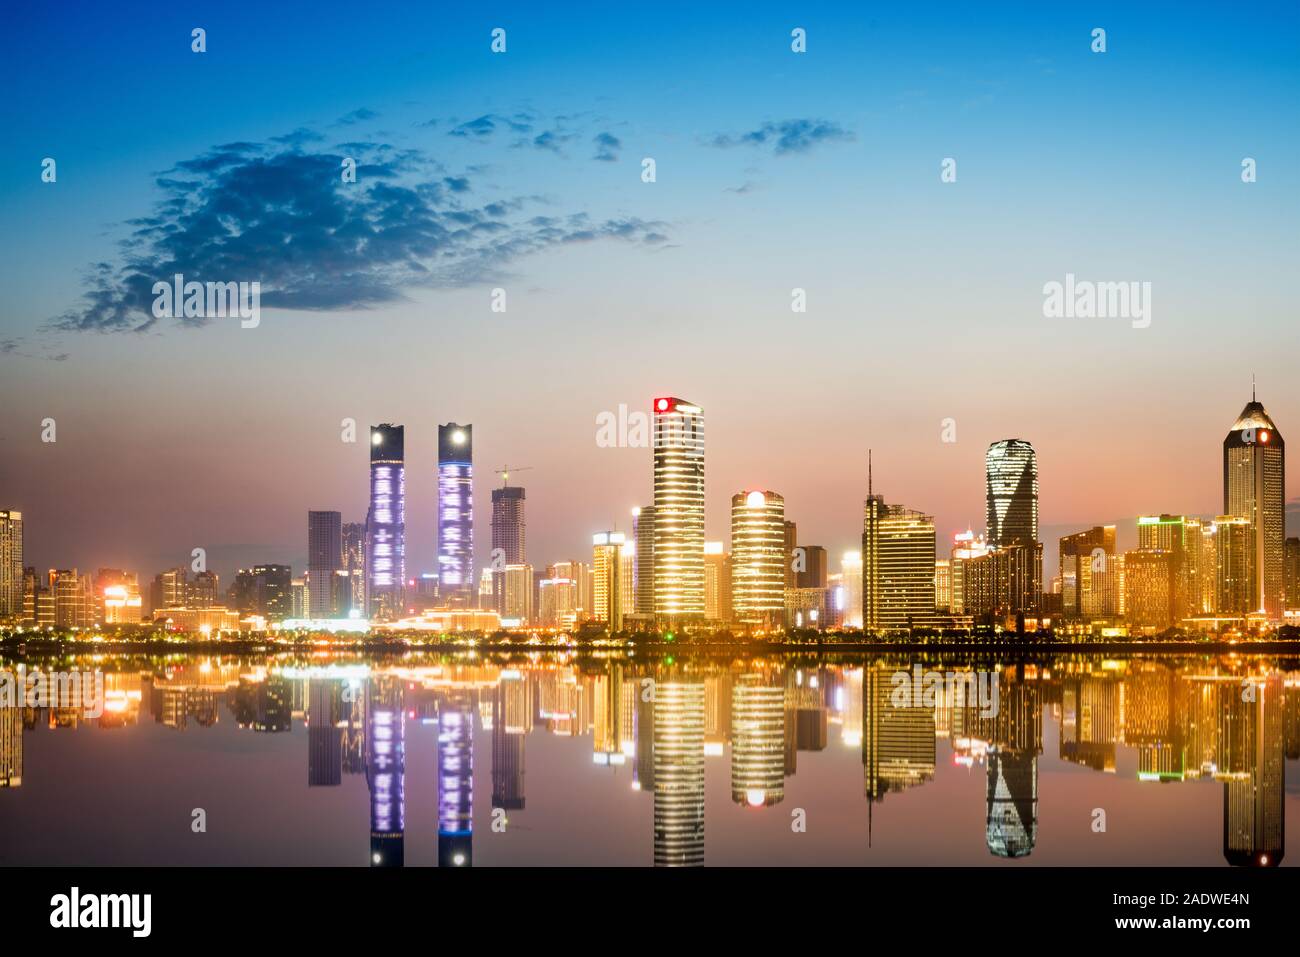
(924, 298)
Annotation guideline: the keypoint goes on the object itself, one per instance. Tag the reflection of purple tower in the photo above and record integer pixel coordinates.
(386, 522)
(456, 781)
(386, 772)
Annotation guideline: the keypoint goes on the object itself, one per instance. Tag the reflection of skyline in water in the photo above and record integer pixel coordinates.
(659, 729)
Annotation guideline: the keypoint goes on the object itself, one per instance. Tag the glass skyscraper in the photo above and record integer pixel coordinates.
(386, 522)
(456, 513)
(1011, 476)
(1254, 477)
(678, 509)
(324, 561)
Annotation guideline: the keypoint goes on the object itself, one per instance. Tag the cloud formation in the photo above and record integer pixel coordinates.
(787, 136)
(280, 213)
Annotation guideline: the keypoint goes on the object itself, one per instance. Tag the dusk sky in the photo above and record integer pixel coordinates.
(523, 171)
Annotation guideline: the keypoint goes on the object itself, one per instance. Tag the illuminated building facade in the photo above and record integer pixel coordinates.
(851, 581)
(717, 583)
(386, 523)
(1090, 574)
(1254, 488)
(679, 510)
(1149, 579)
(608, 567)
(965, 546)
(518, 603)
(1011, 483)
(643, 584)
(898, 550)
(1234, 554)
(456, 513)
(758, 558)
(11, 564)
(354, 566)
(1004, 584)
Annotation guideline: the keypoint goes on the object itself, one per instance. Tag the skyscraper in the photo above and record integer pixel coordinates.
(354, 564)
(508, 539)
(717, 582)
(759, 562)
(1254, 483)
(11, 564)
(607, 578)
(1011, 481)
(898, 550)
(643, 585)
(386, 522)
(456, 513)
(324, 560)
(679, 509)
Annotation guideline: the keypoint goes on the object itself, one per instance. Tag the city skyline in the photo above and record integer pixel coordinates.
(1000, 573)
(817, 172)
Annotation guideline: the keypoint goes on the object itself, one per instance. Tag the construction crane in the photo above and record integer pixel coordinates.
(505, 471)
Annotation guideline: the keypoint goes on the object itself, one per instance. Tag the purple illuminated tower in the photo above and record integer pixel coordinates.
(456, 513)
(386, 523)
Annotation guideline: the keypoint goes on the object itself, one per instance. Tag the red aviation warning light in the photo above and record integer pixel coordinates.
(662, 405)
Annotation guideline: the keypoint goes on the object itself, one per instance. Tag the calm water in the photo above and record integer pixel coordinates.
(559, 760)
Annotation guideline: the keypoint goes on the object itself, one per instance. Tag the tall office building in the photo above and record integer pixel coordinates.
(354, 566)
(759, 561)
(965, 546)
(508, 537)
(1291, 572)
(11, 564)
(386, 522)
(265, 590)
(608, 567)
(1254, 488)
(324, 561)
(1180, 536)
(717, 583)
(517, 605)
(851, 574)
(456, 513)
(1011, 481)
(679, 510)
(643, 585)
(1150, 579)
(1234, 566)
(898, 550)
(1089, 570)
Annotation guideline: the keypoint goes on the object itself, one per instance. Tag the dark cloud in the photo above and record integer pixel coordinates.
(484, 126)
(787, 136)
(607, 147)
(356, 116)
(282, 216)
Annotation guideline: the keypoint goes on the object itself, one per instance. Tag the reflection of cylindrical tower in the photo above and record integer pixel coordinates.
(1011, 829)
(758, 742)
(456, 781)
(386, 772)
(679, 774)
